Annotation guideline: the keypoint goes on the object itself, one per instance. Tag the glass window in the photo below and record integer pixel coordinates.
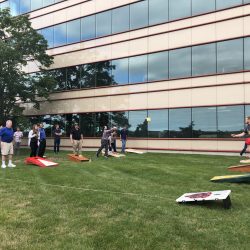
(138, 125)
(204, 59)
(103, 24)
(119, 119)
(246, 1)
(199, 6)
(158, 66)
(103, 73)
(14, 7)
(247, 53)
(230, 120)
(71, 119)
(60, 120)
(73, 31)
(180, 63)
(60, 76)
(102, 119)
(120, 19)
(120, 71)
(138, 69)
(24, 6)
(87, 77)
(247, 110)
(179, 9)
(87, 124)
(47, 2)
(230, 56)
(88, 28)
(48, 34)
(204, 122)
(60, 34)
(139, 15)
(222, 4)
(158, 11)
(158, 124)
(37, 4)
(180, 125)
(73, 77)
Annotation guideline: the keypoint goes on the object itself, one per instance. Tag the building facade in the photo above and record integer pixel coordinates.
(175, 72)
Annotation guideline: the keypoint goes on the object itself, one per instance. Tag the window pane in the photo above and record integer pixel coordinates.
(60, 34)
(221, 4)
(36, 4)
(204, 59)
(120, 71)
(87, 78)
(247, 110)
(48, 34)
(14, 7)
(158, 126)
(247, 53)
(119, 119)
(138, 69)
(60, 77)
(60, 120)
(73, 77)
(103, 24)
(102, 119)
(158, 11)
(180, 63)
(158, 66)
(230, 56)
(139, 15)
(73, 31)
(138, 125)
(180, 125)
(204, 122)
(47, 2)
(120, 19)
(24, 6)
(87, 124)
(230, 120)
(246, 1)
(88, 28)
(103, 73)
(179, 9)
(199, 6)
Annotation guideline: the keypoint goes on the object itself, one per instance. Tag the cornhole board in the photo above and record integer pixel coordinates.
(41, 162)
(77, 158)
(232, 178)
(116, 155)
(240, 168)
(130, 150)
(245, 161)
(207, 196)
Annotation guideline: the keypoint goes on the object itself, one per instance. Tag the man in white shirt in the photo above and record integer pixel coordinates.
(18, 135)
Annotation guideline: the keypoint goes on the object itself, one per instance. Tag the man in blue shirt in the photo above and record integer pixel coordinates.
(6, 134)
(123, 138)
(42, 141)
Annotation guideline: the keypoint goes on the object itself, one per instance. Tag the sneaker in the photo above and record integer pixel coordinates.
(11, 165)
(3, 166)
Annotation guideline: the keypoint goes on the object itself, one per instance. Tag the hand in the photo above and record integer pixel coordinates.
(72, 142)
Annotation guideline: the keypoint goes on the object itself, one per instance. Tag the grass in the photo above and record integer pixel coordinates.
(126, 203)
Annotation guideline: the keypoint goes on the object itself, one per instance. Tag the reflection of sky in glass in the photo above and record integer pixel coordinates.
(179, 9)
(120, 19)
(36, 4)
(120, 71)
(199, 6)
(88, 29)
(136, 118)
(24, 6)
(158, 11)
(247, 110)
(139, 15)
(48, 35)
(221, 4)
(60, 34)
(159, 120)
(138, 69)
(179, 118)
(73, 31)
(103, 24)
(247, 53)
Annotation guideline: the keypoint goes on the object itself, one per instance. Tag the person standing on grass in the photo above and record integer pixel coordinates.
(42, 140)
(123, 138)
(76, 138)
(33, 140)
(18, 135)
(57, 138)
(7, 136)
(245, 133)
(113, 141)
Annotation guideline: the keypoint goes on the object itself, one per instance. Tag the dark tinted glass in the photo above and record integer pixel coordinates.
(46, 120)
(158, 66)
(60, 120)
(158, 124)
(88, 28)
(230, 120)
(180, 63)
(200, 6)
(48, 34)
(158, 11)
(247, 53)
(87, 77)
(24, 6)
(119, 119)
(60, 77)
(179, 9)
(120, 19)
(230, 56)
(87, 124)
(73, 77)
(103, 73)
(221, 4)
(73, 31)
(103, 24)
(204, 122)
(138, 69)
(120, 71)
(180, 125)
(60, 34)
(138, 15)
(102, 119)
(138, 125)
(204, 59)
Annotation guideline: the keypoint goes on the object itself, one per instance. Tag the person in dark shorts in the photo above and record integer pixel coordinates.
(123, 138)
(33, 140)
(57, 138)
(76, 138)
(246, 134)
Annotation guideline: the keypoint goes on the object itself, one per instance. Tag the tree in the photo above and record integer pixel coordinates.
(20, 43)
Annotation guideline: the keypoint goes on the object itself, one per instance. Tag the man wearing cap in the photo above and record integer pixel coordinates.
(76, 138)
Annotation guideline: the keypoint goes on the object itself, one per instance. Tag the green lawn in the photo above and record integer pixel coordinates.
(126, 203)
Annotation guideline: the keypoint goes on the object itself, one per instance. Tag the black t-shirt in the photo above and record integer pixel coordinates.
(76, 134)
(247, 131)
(58, 131)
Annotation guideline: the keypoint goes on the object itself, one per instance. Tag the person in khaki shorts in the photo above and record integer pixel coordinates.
(6, 135)
(76, 139)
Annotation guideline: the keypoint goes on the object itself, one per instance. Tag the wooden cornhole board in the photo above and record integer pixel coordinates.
(116, 155)
(232, 178)
(130, 150)
(207, 196)
(77, 158)
(240, 168)
(245, 161)
(40, 162)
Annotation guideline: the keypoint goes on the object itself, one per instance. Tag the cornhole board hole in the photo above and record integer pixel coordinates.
(245, 161)
(232, 178)
(41, 162)
(240, 168)
(207, 196)
(130, 150)
(77, 158)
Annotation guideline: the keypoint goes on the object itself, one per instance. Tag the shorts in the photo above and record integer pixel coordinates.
(247, 141)
(6, 148)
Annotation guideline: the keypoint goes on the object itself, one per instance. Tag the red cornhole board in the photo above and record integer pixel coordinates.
(41, 162)
(240, 168)
(77, 158)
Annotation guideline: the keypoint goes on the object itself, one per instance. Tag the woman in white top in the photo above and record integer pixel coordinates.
(33, 140)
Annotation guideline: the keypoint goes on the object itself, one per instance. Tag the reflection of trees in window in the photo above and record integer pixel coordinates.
(119, 119)
(87, 124)
(60, 120)
(46, 120)
(103, 73)
(73, 76)
(138, 123)
(87, 76)
(60, 76)
(71, 119)
(141, 130)
(102, 119)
